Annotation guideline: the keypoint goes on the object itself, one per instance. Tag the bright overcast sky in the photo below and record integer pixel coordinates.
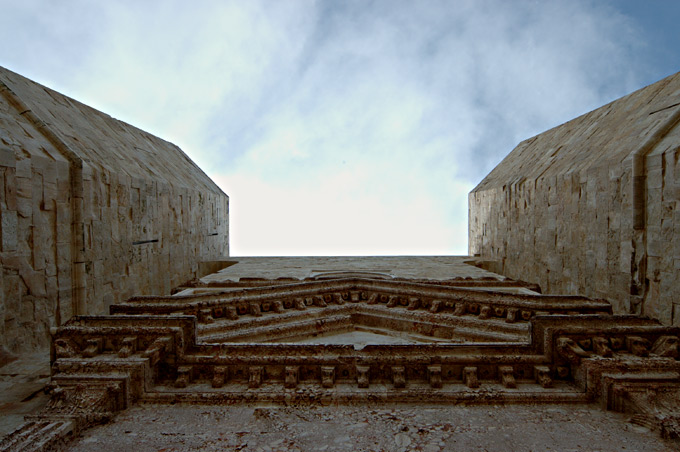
(343, 127)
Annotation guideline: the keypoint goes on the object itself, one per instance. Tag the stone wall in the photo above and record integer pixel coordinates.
(662, 229)
(590, 207)
(92, 211)
(35, 207)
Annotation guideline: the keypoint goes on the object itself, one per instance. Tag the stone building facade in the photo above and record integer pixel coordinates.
(100, 222)
(233, 361)
(92, 211)
(592, 207)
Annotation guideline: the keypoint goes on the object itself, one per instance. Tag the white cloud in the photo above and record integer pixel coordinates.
(336, 127)
(340, 213)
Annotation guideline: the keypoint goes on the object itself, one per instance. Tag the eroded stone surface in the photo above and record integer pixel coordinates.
(591, 207)
(320, 267)
(92, 211)
(358, 338)
(382, 428)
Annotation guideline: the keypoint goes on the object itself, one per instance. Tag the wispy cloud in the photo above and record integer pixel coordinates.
(336, 127)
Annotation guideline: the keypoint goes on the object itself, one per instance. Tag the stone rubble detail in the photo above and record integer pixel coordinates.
(73, 407)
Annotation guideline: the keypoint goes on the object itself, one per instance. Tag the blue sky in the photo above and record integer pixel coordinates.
(340, 128)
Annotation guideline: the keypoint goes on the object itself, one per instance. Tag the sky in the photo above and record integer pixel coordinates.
(352, 127)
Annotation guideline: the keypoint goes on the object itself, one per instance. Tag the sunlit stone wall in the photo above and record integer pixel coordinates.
(92, 211)
(592, 207)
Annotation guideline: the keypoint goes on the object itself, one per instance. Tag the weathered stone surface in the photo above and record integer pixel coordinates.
(383, 428)
(326, 267)
(590, 207)
(92, 211)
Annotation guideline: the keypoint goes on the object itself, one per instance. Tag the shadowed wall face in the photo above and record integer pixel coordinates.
(92, 211)
(561, 209)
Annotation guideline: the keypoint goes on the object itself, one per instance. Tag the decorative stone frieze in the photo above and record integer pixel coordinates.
(168, 357)
(434, 374)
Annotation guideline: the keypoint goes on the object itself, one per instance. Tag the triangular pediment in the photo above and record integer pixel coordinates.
(360, 337)
(389, 324)
(392, 311)
(355, 340)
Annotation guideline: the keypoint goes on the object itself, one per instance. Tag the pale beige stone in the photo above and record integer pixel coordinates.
(81, 166)
(570, 191)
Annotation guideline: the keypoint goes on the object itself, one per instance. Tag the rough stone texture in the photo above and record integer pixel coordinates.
(591, 207)
(385, 428)
(92, 211)
(21, 385)
(301, 267)
(237, 345)
(241, 358)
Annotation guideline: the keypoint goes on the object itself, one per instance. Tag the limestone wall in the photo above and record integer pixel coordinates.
(92, 211)
(662, 231)
(561, 209)
(563, 233)
(34, 209)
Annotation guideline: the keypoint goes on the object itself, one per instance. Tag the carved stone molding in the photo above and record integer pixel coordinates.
(652, 405)
(103, 363)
